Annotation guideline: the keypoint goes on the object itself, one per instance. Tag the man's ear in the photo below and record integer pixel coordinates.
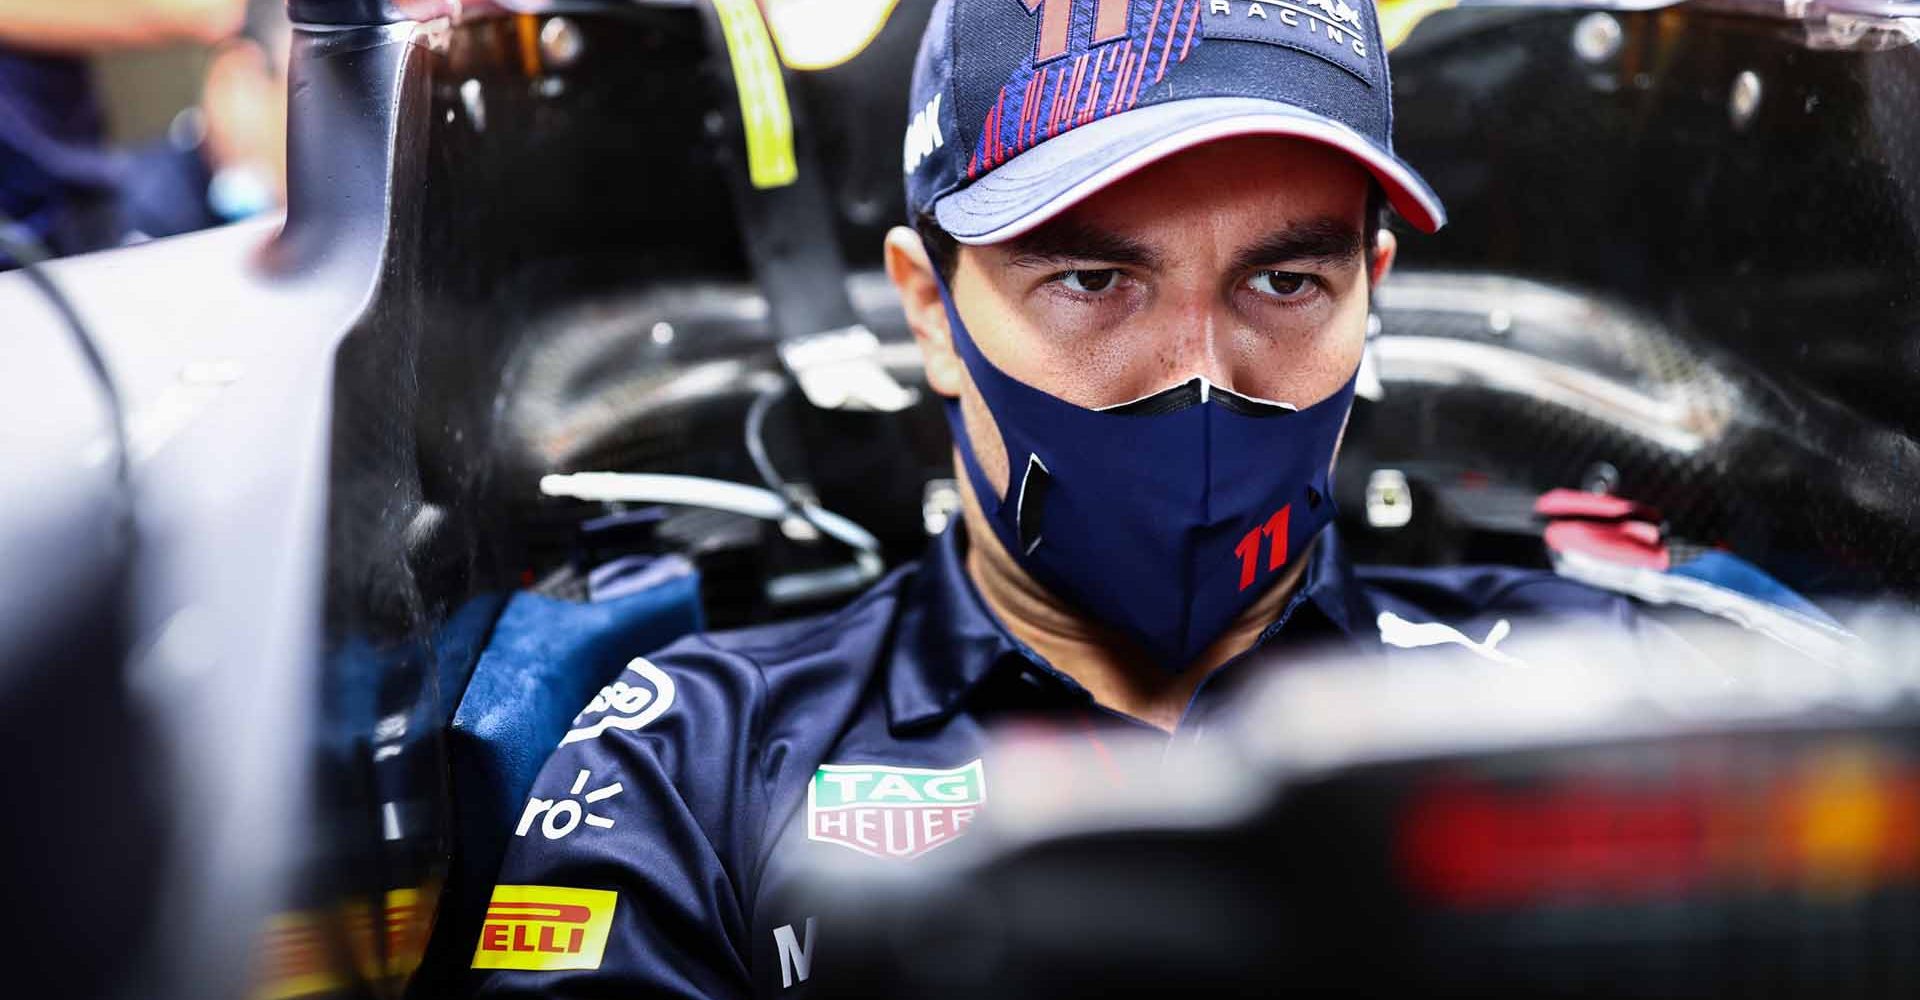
(911, 272)
(1385, 247)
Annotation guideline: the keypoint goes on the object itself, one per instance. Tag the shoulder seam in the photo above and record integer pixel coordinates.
(1534, 577)
(756, 733)
(887, 587)
(1546, 576)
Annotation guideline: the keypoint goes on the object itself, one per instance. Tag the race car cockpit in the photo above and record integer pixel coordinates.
(574, 341)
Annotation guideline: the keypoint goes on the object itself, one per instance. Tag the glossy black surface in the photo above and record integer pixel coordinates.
(1770, 260)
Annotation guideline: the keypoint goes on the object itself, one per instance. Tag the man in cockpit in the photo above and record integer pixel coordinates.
(1145, 238)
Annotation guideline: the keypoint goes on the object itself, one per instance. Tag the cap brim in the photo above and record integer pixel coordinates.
(1057, 174)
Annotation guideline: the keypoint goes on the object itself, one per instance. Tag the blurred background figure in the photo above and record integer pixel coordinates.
(124, 120)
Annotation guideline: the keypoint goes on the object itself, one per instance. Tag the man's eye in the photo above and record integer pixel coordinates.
(1281, 284)
(1089, 282)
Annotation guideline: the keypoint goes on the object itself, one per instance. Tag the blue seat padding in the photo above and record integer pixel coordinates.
(545, 660)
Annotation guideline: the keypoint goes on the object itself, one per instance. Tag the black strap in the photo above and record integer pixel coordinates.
(786, 219)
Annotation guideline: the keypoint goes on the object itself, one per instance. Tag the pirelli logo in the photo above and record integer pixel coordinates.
(542, 927)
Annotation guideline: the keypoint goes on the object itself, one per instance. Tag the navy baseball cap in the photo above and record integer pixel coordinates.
(1021, 108)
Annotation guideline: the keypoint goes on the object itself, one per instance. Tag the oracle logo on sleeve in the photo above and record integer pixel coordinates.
(561, 816)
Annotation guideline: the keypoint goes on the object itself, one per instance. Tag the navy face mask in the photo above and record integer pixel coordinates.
(1164, 517)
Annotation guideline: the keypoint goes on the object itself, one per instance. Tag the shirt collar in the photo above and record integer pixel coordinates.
(946, 642)
(1331, 585)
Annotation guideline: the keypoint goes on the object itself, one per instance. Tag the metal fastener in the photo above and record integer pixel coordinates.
(1745, 100)
(1597, 37)
(561, 42)
(1389, 499)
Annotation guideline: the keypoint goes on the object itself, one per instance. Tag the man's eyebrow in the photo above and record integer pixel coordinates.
(1328, 242)
(1069, 241)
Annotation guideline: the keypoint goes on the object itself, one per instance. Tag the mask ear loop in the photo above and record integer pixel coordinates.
(970, 357)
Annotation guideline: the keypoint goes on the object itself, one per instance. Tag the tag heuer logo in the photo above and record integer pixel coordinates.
(893, 812)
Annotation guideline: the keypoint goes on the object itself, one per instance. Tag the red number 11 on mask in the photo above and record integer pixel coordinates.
(1249, 548)
(1056, 18)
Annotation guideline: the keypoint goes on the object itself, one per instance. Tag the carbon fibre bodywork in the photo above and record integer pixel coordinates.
(1754, 269)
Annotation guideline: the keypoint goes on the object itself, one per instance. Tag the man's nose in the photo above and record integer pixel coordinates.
(1198, 335)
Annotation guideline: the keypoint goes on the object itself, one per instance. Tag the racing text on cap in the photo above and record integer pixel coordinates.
(541, 927)
(1334, 30)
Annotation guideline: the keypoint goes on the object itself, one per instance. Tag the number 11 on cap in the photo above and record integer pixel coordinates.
(1056, 21)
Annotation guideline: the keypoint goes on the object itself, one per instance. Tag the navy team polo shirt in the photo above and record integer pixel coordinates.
(657, 854)
(51, 143)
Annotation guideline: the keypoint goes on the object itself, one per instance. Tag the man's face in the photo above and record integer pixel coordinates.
(1241, 260)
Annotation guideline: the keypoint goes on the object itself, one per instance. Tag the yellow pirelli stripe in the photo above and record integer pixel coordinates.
(294, 959)
(541, 927)
(763, 94)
